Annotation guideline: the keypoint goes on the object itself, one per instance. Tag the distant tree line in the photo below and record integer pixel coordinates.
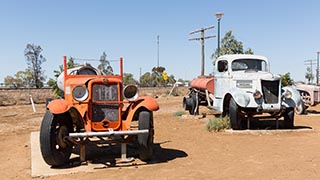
(34, 76)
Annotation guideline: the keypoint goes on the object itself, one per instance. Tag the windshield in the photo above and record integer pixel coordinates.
(249, 64)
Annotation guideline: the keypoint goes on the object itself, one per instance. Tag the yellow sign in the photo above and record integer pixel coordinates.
(165, 75)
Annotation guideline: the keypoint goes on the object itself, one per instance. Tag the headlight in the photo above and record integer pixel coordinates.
(257, 95)
(130, 92)
(80, 93)
(287, 94)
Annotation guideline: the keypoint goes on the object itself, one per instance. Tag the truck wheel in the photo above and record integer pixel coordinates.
(194, 110)
(234, 115)
(145, 141)
(54, 149)
(301, 109)
(190, 104)
(289, 118)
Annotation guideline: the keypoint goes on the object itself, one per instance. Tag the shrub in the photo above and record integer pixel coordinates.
(218, 124)
(179, 113)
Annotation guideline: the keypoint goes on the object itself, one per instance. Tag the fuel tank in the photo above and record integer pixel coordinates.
(203, 83)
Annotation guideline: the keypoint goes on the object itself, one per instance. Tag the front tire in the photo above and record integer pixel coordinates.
(55, 149)
(234, 115)
(289, 118)
(145, 141)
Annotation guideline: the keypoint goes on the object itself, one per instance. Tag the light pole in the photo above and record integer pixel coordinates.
(219, 15)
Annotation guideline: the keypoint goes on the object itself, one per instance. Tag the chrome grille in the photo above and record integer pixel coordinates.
(270, 91)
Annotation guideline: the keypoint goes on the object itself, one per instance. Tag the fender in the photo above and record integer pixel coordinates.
(147, 102)
(142, 102)
(241, 97)
(59, 106)
(295, 101)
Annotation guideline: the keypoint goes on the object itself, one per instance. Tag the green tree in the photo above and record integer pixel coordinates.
(104, 65)
(147, 80)
(155, 78)
(286, 80)
(229, 45)
(128, 79)
(53, 82)
(20, 79)
(309, 75)
(34, 60)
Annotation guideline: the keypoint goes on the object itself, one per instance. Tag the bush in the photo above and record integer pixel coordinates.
(218, 124)
(179, 113)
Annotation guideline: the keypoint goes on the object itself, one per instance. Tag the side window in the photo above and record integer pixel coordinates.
(222, 66)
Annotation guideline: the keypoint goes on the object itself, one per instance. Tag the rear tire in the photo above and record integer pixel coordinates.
(234, 115)
(145, 141)
(55, 149)
(301, 109)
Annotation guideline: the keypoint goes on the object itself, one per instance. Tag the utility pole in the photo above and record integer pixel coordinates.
(309, 63)
(140, 77)
(158, 50)
(317, 71)
(202, 38)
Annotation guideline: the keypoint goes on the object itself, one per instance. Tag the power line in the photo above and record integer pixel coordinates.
(202, 38)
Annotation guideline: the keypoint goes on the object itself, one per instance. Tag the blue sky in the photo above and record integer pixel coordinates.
(286, 31)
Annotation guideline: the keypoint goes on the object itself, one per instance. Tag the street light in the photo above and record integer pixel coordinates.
(219, 15)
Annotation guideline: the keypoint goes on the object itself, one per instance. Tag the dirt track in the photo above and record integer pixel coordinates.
(184, 149)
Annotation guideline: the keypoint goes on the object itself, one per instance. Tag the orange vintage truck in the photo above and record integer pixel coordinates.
(96, 108)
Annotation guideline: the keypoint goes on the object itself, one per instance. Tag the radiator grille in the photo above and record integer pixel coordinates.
(101, 112)
(270, 90)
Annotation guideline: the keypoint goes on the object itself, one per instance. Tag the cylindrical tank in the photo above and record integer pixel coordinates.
(80, 70)
(203, 83)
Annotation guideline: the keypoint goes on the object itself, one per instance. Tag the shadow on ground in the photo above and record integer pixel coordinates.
(312, 112)
(269, 125)
(110, 156)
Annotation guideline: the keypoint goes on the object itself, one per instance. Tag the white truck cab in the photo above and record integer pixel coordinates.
(243, 88)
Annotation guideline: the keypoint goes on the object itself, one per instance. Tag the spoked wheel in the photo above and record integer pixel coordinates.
(145, 141)
(235, 115)
(55, 149)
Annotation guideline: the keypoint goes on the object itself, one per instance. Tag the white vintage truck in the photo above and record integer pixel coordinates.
(242, 87)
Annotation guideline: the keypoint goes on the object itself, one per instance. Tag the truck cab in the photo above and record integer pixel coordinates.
(243, 88)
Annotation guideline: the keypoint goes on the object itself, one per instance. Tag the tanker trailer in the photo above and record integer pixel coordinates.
(85, 69)
(200, 94)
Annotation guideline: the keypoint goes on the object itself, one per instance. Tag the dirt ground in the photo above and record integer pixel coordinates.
(184, 148)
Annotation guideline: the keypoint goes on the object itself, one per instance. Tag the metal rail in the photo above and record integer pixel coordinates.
(108, 133)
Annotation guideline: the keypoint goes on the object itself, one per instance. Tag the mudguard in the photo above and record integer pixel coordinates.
(59, 106)
(146, 102)
(295, 101)
(241, 97)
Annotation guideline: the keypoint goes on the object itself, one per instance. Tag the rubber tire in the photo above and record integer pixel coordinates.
(289, 118)
(145, 141)
(234, 115)
(53, 153)
(302, 109)
(194, 110)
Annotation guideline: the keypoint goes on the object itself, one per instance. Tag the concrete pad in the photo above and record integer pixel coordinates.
(267, 132)
(40, 169)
